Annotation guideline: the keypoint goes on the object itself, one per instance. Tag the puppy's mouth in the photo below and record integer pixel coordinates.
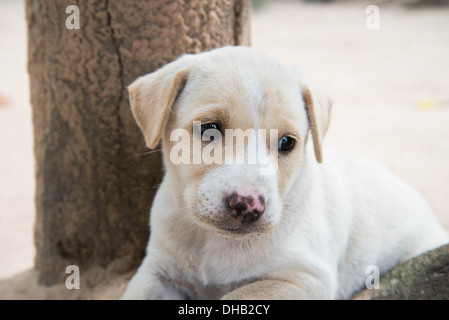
(232, 229)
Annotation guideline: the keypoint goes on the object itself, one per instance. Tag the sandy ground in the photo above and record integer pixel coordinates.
(391, 104)
(16, 145)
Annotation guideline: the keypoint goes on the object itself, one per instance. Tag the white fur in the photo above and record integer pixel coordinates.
(332, 220)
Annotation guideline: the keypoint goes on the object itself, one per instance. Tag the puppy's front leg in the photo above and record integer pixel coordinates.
(274, 290)
(148, 285)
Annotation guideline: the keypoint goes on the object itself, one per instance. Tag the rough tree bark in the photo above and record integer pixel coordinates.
(425, 277)
(93, 185)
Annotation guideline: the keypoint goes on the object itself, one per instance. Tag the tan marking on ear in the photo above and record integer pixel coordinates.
(177, 85)
(318, 108)
(153, 95)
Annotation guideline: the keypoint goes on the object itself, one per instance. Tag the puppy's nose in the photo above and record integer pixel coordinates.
(246, 208)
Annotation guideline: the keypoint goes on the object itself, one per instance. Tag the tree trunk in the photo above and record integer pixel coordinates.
(94, 181)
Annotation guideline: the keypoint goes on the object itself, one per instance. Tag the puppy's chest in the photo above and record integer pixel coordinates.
(195, 288)
(211, 275)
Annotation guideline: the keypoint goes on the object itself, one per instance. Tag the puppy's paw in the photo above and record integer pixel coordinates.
(266, 290)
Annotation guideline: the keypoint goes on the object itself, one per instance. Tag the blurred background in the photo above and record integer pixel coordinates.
(390, 87)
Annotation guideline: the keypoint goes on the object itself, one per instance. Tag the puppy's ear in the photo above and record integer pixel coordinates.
(152, 96)
(318, 107)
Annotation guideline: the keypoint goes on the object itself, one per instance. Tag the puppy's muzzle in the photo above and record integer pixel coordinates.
(245, 209)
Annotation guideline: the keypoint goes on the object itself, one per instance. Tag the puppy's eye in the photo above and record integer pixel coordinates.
(209, 135)
(211, 125)
(286, 144)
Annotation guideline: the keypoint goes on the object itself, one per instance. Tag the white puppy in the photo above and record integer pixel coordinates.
(307, 230)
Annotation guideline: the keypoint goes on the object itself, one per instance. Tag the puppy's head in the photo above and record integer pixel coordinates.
(234, 125)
